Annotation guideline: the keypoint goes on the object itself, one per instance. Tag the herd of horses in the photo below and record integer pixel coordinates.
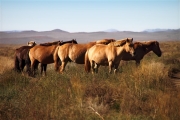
(105, 52)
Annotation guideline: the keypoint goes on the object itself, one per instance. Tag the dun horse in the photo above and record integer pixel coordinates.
(73, 52)
(107, 55)
(141, 49)
(43, 54)
(21, 57)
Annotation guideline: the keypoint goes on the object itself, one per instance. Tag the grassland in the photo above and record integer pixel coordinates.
(146, 92)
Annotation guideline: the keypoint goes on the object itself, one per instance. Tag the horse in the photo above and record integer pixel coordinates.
(141, 49)
(43, 54)
(21, 57)
(107, 55)
(73, 53)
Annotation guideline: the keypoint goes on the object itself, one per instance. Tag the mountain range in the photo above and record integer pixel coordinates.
(22, 37)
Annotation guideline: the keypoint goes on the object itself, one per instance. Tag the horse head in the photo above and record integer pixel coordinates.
(129, 46)
(31, 43)
(74, 41)
(156, 49)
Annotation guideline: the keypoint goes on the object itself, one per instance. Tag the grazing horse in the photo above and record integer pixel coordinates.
(141, 49)
(73, 53)
(43, 54)
(21, 57)
(107, 55)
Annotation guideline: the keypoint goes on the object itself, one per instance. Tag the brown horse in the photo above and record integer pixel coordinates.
(107, 55)
(21, 57)
(141, 49)
(73, 52)
(43, 54)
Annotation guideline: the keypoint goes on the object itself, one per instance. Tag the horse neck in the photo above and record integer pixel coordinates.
(148, 48)
(120, 49)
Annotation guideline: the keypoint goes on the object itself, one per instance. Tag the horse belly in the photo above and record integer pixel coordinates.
(100, 59)
(77, 54)
(46, 60)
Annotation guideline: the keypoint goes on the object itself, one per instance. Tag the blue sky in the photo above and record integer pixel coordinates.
(89, 15)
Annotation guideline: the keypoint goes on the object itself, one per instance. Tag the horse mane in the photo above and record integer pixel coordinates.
(112, 40)
(120, 42)
(51, 43)
(70, 41)
(105, 41)
(147, 43)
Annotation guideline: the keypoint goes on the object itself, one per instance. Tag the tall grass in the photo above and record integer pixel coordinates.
(145, 92)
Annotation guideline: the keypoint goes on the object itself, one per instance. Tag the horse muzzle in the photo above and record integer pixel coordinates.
(133, 54)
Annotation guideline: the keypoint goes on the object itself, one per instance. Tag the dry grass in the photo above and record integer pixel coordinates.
(145, 92)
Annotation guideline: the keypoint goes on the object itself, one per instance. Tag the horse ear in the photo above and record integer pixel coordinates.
(127, 40)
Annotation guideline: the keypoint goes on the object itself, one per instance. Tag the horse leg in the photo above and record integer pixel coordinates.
(116, 67)
(110, 66)
(137, 63)
(42, 65)
(92, 66)
(96, 66)
(63, 64)
(21, 66)
(33, 66)
(43, 68)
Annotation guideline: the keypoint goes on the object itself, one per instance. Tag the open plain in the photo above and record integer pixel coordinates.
(150, 91)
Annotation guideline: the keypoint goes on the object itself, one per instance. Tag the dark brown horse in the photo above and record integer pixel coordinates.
(141, 49)
(43, 54)
(21, 57)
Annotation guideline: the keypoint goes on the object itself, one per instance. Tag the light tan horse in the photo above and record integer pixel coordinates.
(43, 54)
(73, 53)
(107, 55)
(141, 49)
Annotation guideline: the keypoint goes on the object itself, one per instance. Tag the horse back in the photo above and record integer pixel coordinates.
(101, 54)
(22, 52)
(43, 54)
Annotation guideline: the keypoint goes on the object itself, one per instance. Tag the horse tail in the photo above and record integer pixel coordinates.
(16, 63)
(28, 62)
(87, 62)
(56, 59)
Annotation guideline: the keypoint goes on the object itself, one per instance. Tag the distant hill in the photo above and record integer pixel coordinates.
(158, 30)
(22, 37)
(111, 30)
